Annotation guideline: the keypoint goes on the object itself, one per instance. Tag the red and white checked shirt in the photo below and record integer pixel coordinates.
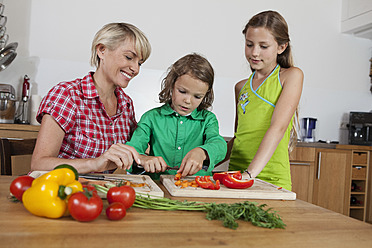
(89, 130)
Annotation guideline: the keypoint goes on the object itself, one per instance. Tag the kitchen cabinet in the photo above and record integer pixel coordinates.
(302, 161)
(357, 18)
(332, 179)
(20, 164)
(336, 177)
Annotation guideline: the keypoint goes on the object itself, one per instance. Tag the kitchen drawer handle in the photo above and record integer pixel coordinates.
(299, 163)
(319, 163)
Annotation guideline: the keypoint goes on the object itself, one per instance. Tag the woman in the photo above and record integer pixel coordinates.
(86, 122)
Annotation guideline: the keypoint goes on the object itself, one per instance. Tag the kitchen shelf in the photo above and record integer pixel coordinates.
(359, 184)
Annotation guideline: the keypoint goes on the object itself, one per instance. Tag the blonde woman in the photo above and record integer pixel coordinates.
(86, 122)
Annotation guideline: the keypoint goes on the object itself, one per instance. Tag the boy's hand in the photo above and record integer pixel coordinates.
(192, 162)
(153, 164)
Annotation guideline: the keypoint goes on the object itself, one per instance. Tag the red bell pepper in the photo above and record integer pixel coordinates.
(234, 183)
(206, 183)
(220, 175)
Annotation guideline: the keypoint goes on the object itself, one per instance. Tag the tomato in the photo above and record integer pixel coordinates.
(116, 211)
(124, 194)
(85, 206)
(20, 185)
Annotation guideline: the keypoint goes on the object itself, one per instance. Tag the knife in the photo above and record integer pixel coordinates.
(205, 167)
(101, 177)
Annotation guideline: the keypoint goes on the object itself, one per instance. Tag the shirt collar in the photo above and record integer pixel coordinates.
(90, 91)
(87, 86)
(166, 109)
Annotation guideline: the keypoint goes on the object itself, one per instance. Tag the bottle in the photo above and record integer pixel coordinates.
(353, 200)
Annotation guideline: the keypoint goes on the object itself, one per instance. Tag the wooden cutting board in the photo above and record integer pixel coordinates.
(150, 188)
(259, 190)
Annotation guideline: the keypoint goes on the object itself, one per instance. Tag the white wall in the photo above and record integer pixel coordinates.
(55, 37)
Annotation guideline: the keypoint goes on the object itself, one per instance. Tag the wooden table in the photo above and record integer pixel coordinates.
(307, 226)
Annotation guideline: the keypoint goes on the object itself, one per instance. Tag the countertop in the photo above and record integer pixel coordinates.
(307, 226)
(19, 127)
(333, 146)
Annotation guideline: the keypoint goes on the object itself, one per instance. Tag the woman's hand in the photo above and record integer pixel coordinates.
(192, 162)
(118, 156)
(153, 164)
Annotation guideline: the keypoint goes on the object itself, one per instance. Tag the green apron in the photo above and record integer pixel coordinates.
(255, 109)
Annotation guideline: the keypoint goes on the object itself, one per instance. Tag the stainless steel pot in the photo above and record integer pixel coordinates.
(7, 110)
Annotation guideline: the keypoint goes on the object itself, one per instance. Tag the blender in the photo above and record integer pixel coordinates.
(308, 126)
(23, 112)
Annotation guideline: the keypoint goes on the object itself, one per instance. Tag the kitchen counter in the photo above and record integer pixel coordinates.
(19, 131)
(333, 146)
(307, 226)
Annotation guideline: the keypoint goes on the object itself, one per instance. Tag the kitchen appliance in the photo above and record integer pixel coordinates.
(308, 126)
(7, 103)
(360, 128)
(23, 111)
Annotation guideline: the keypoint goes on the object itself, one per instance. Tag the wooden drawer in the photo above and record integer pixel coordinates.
(360, 158)
(359, 172)
(302, 154)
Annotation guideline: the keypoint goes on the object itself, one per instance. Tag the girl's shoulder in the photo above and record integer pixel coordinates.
(291, 74)
(239, 85)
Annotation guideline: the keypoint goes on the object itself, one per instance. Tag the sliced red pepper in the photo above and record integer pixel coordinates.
(234, 183)
(177, 176)
(206, 183)
(220, 175)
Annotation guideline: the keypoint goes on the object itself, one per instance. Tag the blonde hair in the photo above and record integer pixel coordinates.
(112, 34)
(194, 65)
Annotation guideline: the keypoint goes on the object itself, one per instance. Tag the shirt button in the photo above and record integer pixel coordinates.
(181, 122)
(110, 124)
(49, 104)
(179, 148)
(112, 142)
(176, 114)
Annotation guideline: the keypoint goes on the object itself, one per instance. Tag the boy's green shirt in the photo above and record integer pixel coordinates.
(172, 136)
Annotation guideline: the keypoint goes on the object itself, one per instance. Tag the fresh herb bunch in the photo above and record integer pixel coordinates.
(247, 211)
(227, 213)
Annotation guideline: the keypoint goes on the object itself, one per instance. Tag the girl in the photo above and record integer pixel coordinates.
(182, 132)
(266, 102)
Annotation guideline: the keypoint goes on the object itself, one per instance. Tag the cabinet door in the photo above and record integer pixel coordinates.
(302, 174)
(332, 180)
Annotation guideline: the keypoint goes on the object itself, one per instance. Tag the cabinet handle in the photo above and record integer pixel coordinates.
(299, 163)
(319, 163)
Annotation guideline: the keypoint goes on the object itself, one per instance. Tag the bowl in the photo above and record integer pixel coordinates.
(7, 110)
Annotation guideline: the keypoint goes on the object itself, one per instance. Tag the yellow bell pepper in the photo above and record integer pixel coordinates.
(48, 194)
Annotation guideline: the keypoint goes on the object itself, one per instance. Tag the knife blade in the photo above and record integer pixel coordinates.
(102, 177)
